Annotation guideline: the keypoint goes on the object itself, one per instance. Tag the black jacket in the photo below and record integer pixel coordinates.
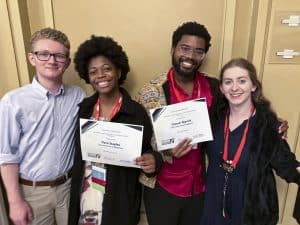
(268, 152)
(121, 203)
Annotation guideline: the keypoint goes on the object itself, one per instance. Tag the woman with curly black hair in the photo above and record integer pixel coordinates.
(101, 62)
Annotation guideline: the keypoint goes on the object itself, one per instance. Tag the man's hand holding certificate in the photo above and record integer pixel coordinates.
(173, 123)
(110, 143)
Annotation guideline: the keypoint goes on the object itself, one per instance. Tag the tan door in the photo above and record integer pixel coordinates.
(9, 73)
(281, 80)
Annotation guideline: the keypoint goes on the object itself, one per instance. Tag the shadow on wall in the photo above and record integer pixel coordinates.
(297, 207)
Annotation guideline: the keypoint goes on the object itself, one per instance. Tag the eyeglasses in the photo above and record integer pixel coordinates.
(45, 56)
(185, 49)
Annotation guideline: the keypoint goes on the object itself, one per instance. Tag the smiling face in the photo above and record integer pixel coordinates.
(103, 75)
(49, 70)
(237, 86)
(188, 55)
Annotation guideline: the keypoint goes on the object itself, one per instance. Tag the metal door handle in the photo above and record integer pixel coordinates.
(293, 21)
(288, 53)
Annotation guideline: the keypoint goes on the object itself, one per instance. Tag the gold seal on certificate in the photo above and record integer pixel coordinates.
(172, 123)
(110, 143)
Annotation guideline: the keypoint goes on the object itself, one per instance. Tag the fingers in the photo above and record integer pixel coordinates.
(148, 168)
(29, 214)
(20, 213)
(139, 160)
(184, 152)
(146, 162)
(283, 128)
(182, 148)
(298, 169)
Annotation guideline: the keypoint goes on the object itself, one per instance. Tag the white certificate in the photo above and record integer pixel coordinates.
(110, 143)
(172, 123)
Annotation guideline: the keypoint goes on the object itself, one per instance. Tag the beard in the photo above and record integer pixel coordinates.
(185, 72)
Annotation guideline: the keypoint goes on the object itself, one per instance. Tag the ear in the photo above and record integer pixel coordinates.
(67, 63)
(221, 88)
(172, 51)
(253, 88)
(119, 73)
(31, 58)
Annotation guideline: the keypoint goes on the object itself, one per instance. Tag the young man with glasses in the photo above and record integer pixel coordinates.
(176, 196)
(37, 125)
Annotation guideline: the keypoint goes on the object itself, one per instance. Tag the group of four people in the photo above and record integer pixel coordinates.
(40, 136)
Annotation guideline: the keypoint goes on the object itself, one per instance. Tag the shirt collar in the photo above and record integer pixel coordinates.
(44, 91)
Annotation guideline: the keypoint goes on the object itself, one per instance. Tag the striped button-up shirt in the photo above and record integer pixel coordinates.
(37, 130)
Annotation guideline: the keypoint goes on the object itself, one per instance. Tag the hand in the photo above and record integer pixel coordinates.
(283, 128)
(20, 213)
(298, 169)
(182, 148)
(147, 162)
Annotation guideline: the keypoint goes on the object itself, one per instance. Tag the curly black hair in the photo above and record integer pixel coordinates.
(191, 28)
(101, 46)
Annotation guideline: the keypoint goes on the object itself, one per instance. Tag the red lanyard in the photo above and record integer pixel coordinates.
(116, 108)
(179, 96)
(240, 148)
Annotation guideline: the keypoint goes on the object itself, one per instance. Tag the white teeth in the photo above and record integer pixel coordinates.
(102, 84)
(187, 64)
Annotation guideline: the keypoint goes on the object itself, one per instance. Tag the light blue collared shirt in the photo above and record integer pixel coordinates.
(37, 130)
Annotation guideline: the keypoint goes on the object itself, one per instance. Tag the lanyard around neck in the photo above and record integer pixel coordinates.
(116, 108)
(241, 146)
(179, 96)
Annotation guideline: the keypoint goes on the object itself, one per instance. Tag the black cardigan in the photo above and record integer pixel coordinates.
(268, 152)
(121, 203)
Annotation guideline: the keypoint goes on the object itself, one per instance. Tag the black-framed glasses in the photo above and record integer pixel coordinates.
(199, 52)
(45, 56)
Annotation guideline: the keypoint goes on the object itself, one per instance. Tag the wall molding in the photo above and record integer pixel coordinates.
(18, 39)
(48, 13)
(228, 31)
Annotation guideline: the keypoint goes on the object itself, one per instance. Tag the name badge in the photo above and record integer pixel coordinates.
(99, 178)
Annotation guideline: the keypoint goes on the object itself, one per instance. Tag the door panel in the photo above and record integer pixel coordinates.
(281, 81)
(9, 72)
